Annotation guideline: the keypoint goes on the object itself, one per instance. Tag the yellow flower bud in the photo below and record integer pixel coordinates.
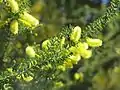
(79, 76)
(79, 49)
(85, 53)
(45, 44)
(76, 76)
(13, 5)
(74, 58)
(74, 50)
(68, 63)
(29, 20)
(94, 42)
(27, 79)
(25, 22)
(82, 45)
(30, 51)
(76, 34)
(14, 27)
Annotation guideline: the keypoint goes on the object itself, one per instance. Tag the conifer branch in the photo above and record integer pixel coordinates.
(97, 26)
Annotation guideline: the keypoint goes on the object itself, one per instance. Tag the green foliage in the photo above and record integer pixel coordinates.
(25, 62)
(98, 24)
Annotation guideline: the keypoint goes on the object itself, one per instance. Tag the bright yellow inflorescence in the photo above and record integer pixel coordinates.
(13, 5)
(25, 18)
(80, 50)
(14, 27)
(94, 42)
(29, 20)
(30, 51)
(79, 76)
(76, 34)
